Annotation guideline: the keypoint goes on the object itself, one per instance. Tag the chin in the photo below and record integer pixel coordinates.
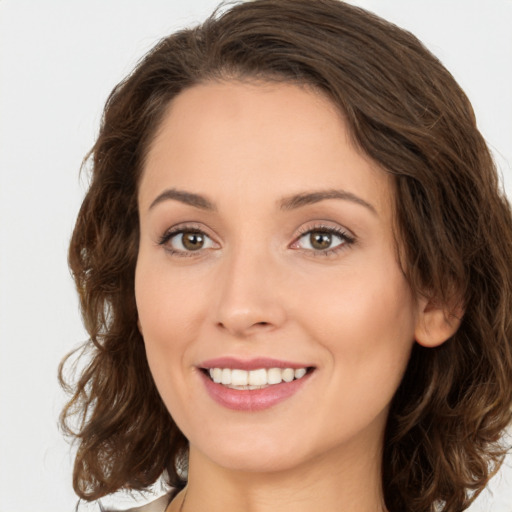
(259, 455)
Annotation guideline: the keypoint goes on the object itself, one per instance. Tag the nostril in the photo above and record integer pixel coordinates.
(242, 321)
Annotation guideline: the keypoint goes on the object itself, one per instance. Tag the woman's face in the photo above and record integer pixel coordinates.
(267, 252)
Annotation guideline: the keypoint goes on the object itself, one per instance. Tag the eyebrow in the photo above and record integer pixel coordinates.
(189, 198)
(287, 203)
(304, 199)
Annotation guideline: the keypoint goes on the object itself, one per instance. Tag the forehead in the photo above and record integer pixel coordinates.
(260, 139)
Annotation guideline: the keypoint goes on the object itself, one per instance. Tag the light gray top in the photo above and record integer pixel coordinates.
(158, 505)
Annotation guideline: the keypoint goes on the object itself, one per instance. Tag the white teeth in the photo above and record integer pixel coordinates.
(254, 379)
(288, 374)
(300, 372)
(216, 375)
(258, 377)
(274, 375)
(239, 377)
(226, 376)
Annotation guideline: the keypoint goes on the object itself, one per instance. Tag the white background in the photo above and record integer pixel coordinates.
(59, 59)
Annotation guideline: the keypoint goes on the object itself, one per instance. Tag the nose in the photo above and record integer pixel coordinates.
(250, 298)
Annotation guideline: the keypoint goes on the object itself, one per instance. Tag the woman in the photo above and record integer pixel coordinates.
(294, 266)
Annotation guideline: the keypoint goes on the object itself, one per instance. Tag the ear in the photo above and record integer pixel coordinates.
(436, 323)
(139, 326)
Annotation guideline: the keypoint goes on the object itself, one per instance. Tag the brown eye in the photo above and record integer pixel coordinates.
(320, 240)
(192, 241)
(323, 240)
(187, 241)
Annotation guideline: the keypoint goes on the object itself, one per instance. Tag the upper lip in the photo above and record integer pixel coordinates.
(250, 364)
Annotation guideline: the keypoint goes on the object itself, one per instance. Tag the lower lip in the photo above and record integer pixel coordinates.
(252, 399)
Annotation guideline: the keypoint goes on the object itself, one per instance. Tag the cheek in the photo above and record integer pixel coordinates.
(169, 312)
(365, 321)
(168, 307)
(360, 302)
(167, 328)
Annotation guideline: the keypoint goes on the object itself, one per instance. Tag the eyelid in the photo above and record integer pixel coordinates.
(325, 226)
(344, 234)
(181, 228)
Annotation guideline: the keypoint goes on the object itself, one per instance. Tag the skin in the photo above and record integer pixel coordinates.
(258, 288)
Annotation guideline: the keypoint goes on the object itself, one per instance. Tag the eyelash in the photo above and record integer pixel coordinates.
(171, 233)
(347, 239)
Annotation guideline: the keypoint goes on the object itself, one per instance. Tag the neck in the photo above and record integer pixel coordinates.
(329, 483)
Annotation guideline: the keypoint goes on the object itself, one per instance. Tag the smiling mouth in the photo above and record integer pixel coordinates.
(260, 378)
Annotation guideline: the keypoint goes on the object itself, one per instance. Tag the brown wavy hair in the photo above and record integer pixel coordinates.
(443, 439)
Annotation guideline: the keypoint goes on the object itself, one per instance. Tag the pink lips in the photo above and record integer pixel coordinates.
(255, 399)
